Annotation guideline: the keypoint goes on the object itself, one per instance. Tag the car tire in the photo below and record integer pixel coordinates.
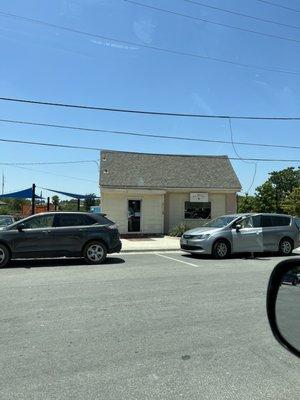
(285, 247)
(295, 282)
(221, 249)
(95, 252)
(4, 256)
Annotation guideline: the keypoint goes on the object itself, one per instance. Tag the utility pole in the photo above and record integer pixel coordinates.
(33, 200)
(3, 181)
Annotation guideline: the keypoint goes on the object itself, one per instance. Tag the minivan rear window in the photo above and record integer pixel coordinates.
(281, 221)
(274, 220)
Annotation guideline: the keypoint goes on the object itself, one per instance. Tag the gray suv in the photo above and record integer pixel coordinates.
(240, 233)
(58, 234)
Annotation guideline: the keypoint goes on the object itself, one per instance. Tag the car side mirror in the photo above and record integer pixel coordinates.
(238, 227)
(283, 304)
(21, 227)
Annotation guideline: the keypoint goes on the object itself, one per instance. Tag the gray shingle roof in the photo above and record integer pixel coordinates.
(139, 170)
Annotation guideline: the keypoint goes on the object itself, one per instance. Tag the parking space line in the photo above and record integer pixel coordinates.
(175, 259)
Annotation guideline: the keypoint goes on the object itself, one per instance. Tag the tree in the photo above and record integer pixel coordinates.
(247, 204)
(68, 205)
(291, 204)
(271, 195)
(266, 197)
(55, 202)
(89, 201)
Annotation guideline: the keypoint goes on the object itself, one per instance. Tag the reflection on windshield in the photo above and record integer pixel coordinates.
(4, 221)
(219, 222)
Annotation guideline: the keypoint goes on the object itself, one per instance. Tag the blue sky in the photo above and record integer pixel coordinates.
(49, 64)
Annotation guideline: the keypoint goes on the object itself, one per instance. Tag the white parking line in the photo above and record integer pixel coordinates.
(175, 259)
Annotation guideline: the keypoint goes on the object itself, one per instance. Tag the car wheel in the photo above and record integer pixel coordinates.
(95, 252)
(4, 255)
(221, 249)
(286, 247)
(295, 282)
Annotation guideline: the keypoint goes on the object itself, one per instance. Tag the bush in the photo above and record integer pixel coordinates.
(179, 230)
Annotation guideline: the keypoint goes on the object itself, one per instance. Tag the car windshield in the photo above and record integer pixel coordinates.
(220, 222)
(4, 220)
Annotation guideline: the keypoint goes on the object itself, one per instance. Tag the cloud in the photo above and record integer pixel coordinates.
(144, 30)
(200, 104)
(114, 45)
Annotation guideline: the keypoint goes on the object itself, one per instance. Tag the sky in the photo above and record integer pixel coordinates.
(49, 64)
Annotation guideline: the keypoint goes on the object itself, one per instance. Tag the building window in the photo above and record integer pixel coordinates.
(197, 210)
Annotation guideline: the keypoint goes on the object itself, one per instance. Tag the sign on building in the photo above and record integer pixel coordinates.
(198, 197)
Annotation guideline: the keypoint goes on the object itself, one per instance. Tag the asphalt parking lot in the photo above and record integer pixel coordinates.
(141, 326)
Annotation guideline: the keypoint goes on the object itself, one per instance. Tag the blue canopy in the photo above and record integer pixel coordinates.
(73, 195)
(21, 194)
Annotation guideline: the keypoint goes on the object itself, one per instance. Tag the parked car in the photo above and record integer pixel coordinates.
(239, 233)
(291, 278)
(47, 235)
(6, 220)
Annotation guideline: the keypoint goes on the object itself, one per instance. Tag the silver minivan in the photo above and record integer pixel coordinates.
(241, 233)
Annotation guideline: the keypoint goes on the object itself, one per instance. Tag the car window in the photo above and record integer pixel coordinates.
(220, 222)
(266, 221)
(281, 220)
(74, 220)
(256, 219)
(102, 220)
(246, 223)
(297, 220)
(41, 221)
(4, 221)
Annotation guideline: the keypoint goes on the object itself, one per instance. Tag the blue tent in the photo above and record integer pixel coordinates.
(21, 194)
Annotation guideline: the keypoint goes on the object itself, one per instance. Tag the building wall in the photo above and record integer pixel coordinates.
(231, 204)
(161, 213)
(218, 204)
(221, 203)
(115, 205)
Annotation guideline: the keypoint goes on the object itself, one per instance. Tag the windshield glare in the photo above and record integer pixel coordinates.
(220, 222)
(4, 221)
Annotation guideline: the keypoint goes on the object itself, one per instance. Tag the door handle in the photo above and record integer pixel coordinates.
(45, 231)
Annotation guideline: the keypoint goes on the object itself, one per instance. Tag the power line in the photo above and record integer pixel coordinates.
(241, 158)
(156, 48)
(148, 135)
(54, 174)
(66, 146)
(99, 149)
(269, 21)
(159, 113)
(278, 5)
(47, 163)
(212, 22)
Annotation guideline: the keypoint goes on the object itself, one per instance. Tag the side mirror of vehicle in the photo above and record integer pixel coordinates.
(283, 302)
(238, 227)
(21, 227)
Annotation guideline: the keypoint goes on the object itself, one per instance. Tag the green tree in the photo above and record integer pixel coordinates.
(55, 202)
(284, 182)
(271, 195)
(247, 204)
(291, 204)
(89, 201)
(68, 205)
(266, 197)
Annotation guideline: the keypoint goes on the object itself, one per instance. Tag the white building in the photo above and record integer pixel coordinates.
(152, 193)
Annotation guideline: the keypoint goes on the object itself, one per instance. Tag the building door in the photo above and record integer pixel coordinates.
(134, 215)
